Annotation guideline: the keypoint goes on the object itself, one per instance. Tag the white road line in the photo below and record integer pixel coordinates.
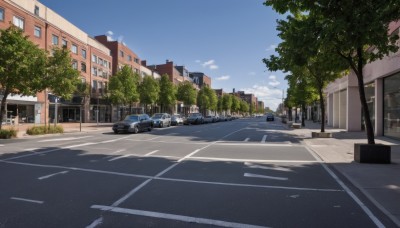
(115, 152)
(120, 157)
(253, 166)
(27, 200)
(48, 176)
(364, 207)
(263, 139)
(152, 152)
(169, 142)
(1, 145)
(31, 149)
(181, 218)
(189, 155)
(265, 177)
(247, 139)
(65, 139)
(253, 160)
(28, 155)
(114, 140)
(78, 145)
(226, 143)
(96, 223)
(154, 138)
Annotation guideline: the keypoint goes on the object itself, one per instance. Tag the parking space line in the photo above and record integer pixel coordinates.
(247, 139)
(253, 166)
(152, 152)
(27, 200)
(181, 218)
(263, 139)
(48, 176)
(96, 223)
(120, 157)
(265, 177)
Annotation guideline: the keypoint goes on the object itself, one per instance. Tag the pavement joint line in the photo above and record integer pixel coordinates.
(27, 200)
(174, 217)
(364, 207)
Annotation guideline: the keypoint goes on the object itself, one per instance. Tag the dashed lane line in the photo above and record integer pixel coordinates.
(27, 200)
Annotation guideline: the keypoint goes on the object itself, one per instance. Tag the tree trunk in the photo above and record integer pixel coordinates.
(303, 108)
(360, 77)
(322, 104)
(295, 115)
(3, 108)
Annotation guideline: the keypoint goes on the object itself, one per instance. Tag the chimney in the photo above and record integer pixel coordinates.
(233, 90)
(144, 63)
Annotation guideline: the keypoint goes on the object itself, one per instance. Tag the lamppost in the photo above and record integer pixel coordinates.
(55, 112)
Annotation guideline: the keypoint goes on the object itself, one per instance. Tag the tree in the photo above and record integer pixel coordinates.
(235, 103)
(244, 106)
(22, 66)
(149, 91)
(186, 93)
(167, 95)
(123, 87)
(351, 30)
(62, 79)
(226, 102)
(207, 99)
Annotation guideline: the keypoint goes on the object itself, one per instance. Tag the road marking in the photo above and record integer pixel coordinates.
(253, 166)
(78, 145)
(31, 149)
(367, 211)
(169, 142)
(114, 140)
(115, 152)
(120, 157)
(263, 139)
(48, 176)
(181, 218)
(65, 139)
(254, 160)
(152, 152)
(265, 177)
(229, 143)
(96, 223)
(247, 139)
(27, 200)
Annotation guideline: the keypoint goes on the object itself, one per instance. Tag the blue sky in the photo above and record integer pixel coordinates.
(225, 39)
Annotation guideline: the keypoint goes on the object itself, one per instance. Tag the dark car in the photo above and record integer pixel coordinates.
(270, 117)
(133, 124)
(195, 118)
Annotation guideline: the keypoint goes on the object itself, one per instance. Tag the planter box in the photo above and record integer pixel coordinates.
(296, 125)
(321, 134)
(372, 153)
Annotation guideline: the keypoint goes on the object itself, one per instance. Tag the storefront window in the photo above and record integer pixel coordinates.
(370, 97)
(391, 109)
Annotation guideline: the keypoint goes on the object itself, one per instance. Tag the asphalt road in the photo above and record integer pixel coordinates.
(241, 173)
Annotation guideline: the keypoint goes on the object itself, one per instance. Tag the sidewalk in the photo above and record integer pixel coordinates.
(379, 182)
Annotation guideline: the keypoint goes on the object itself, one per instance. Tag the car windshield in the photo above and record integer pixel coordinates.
(157, 116)
(132, 118)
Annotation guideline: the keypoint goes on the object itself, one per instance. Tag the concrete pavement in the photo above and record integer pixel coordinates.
(379, 182)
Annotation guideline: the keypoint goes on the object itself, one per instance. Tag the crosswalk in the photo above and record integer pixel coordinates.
(265, 139)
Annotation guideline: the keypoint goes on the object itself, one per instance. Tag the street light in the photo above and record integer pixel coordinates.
(55, 112)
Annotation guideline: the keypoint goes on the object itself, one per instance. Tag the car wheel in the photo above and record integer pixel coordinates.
(169, 124)
(135, 130)
(149, 128)
(161, 125)
(115, 132)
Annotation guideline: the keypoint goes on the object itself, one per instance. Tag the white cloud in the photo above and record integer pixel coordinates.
(210, 64)
(110, 35)
(120, 39)
(271, 47)
(273, 81)
(272, 97)
(223, 78)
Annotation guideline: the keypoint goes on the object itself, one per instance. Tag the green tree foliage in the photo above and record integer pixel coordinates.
(226, 102)
(123, 87)
(356, 32)
(149, 91)
(235, 103)
(186, 93)
(22, 66)
(167, 96)
(244, 106)
(207, 99)
(62, 78)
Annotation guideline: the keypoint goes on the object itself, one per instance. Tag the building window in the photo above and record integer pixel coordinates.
(38, 31)
(94, 71)
(36, 10)
(19, 22)
(54, 40)
(121, 53)
(74, 49)
(105, 63)
(1, 14)
(64, 43)
(75, 65)
(129, 58)
(83, 67)
(100, 61)
(94, 58)
(136, 60)
(83, 53)
(391, 107)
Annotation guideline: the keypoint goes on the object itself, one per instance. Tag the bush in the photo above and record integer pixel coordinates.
(8, 133)
(41, 130)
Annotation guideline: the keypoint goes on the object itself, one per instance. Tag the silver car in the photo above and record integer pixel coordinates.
(161, 119)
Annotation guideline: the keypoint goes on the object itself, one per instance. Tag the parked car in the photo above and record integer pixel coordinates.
(209, 119)
(176, 119)
(161, 120)
(133, 124)
(223, 118)
(270, 117)
(195, 118)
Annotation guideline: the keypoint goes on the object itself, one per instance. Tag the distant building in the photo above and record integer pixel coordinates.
(200, 79)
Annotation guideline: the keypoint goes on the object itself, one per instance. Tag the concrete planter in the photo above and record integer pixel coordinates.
(372, 153)
(321, 134)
